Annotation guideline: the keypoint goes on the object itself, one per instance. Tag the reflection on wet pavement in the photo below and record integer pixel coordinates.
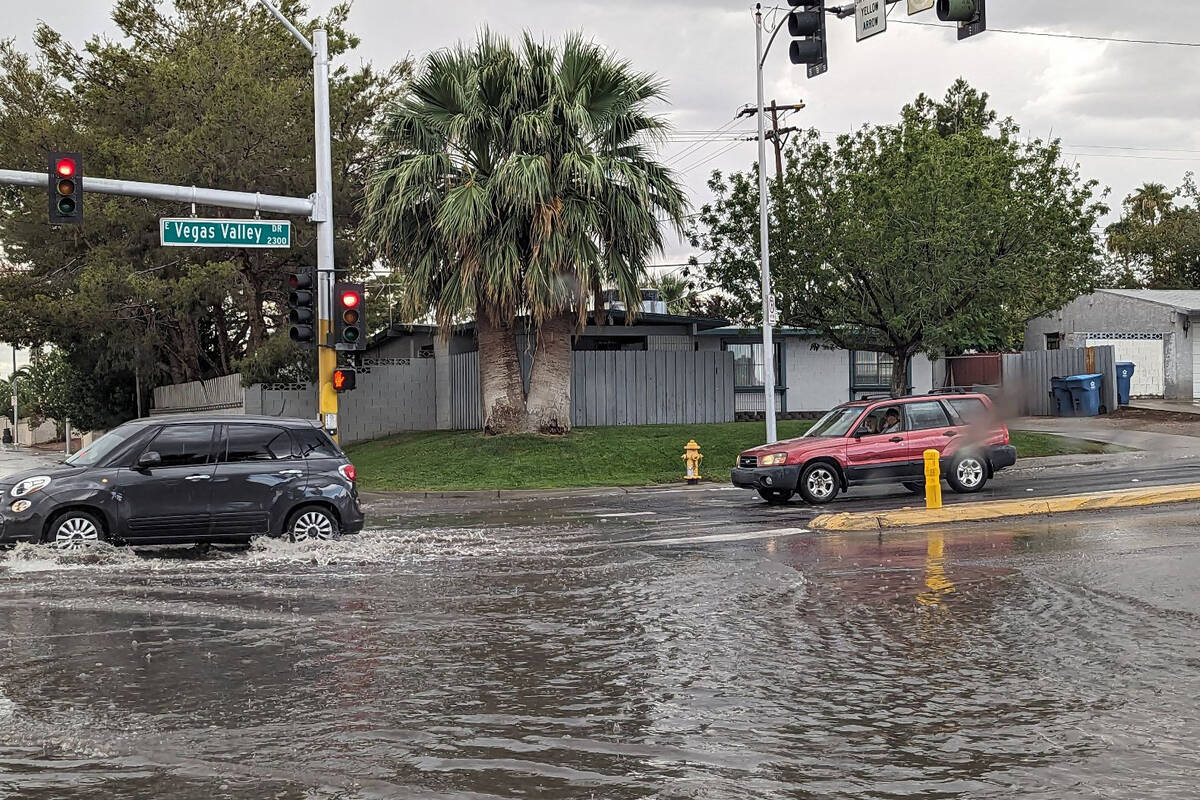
(608, 656)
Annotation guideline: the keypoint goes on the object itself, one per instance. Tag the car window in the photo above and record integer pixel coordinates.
(256, 443)
(836, 423)
(885, 419)
(183, 445)
(923, 416)
(969, 409)
(100, 449)
(315, 443)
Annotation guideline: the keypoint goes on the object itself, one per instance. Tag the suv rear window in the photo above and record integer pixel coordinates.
(315, 443)
(924, 416)
(968, 409)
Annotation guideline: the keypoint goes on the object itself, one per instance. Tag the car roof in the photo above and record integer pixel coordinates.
(908, 398)
(215, 419)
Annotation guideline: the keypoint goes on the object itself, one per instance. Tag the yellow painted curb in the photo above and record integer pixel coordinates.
(997, 509)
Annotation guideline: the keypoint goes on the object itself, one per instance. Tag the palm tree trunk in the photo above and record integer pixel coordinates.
(550, 380)
(598, 304)
(499, 376)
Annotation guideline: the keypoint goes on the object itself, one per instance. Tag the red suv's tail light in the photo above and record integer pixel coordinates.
(348, 472)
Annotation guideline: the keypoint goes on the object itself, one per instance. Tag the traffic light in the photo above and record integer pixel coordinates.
(65, 188)
(300, 308)
(806, 24)
(970, 15)
(345, 379)
(349, 316)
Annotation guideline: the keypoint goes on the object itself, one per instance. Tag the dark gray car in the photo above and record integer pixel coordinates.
(169, 480)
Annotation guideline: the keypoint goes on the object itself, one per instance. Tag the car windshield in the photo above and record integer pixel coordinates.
(836, 423)
(100, 448)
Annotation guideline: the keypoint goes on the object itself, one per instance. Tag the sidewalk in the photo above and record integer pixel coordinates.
(23, 459)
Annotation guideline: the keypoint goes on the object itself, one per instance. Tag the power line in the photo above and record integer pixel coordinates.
(703, 161)
(1052, 35)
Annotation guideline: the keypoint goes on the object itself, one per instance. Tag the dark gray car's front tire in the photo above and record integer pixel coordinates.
(75, 530)
(311, 523)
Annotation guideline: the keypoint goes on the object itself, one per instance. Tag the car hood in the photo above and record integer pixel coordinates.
(53, 470)
(795, 446)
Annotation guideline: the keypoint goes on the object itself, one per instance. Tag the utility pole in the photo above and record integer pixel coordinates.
(768, 343)
(776, 134)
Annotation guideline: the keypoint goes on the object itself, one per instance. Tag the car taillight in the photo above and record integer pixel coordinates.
(348, 472)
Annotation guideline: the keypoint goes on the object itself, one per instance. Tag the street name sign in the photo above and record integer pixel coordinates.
(917, 6)
(870, 18)
(193, 232)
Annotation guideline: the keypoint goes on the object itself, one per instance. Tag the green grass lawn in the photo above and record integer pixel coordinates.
(1034, 445)
(625, 456)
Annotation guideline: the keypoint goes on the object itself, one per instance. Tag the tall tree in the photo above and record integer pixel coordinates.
(198, 92)
(945, 231)
(1156, 242)
(516, 179)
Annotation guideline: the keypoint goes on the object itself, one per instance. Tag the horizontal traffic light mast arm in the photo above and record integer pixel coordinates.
(278, 204)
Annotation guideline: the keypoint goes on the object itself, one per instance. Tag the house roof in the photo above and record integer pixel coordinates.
(733, 330)
(703, 324)
(1184, 300)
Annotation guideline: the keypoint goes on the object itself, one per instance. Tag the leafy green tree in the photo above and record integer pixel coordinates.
(516, 179)
(210, 93)
(1156, 242)
(945, 231)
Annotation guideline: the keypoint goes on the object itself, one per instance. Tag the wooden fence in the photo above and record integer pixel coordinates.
(1027, 376)
(223, 394)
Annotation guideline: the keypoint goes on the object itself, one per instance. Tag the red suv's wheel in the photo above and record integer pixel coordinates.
(967, 473)
(819, 483)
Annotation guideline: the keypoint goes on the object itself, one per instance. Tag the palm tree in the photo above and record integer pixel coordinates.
(677, 291)
(513, 180)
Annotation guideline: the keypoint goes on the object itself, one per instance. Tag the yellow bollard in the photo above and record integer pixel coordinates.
(691, 460)
(933, 479)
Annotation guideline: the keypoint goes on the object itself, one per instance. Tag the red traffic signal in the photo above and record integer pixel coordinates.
(64, 184)
(350, 298)
(349, 316)
(344, 379)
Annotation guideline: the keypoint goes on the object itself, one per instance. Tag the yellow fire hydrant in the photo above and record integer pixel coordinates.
(691, 460)
(933, 479)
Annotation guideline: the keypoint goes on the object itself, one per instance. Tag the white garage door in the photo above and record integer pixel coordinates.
(1145, 350)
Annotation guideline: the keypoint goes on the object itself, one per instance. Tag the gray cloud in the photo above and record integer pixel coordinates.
(1085, 92)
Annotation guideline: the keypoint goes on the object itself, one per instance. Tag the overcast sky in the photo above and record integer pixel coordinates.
(1127, 112)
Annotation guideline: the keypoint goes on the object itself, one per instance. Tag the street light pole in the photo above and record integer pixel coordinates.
(322, 214)
(16, 427)
(764, 237)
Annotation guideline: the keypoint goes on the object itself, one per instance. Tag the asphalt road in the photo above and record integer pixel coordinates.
(717, 505)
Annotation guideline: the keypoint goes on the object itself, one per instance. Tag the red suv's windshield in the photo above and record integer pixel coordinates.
(836, 423)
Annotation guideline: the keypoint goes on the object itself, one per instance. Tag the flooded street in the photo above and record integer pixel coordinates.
(596, 655)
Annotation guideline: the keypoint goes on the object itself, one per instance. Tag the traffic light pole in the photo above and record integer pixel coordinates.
(768, 342)
(327, 399)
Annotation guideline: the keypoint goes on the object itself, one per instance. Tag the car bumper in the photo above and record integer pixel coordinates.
(766, 477)
(27, 525)
(1001, 456)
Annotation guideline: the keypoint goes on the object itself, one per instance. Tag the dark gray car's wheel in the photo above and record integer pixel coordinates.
(819, 483)
(776, 497)
(311, 523)
(967, 473)
(75, 530)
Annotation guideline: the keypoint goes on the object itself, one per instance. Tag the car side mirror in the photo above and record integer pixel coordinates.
(149, 459)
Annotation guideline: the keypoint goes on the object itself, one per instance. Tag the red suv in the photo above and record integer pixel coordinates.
(882, 441)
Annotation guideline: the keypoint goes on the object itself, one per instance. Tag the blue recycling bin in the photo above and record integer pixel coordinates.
(1085, 393)
(1125, 370)
(1063, 405)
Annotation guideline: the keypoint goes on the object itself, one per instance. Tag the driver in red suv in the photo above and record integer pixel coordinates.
(882, 441)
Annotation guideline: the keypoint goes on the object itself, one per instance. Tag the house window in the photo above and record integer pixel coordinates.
(1053, 341)
(871, 369)
(748, 364)
(610, 343)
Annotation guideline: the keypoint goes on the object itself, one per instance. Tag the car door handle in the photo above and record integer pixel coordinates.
(950, 433)
(896, 439)
(198, 478)
(291, 472)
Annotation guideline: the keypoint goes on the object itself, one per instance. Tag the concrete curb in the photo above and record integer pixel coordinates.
(998, 509)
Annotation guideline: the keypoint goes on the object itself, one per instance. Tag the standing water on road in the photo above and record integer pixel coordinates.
(579, 659)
